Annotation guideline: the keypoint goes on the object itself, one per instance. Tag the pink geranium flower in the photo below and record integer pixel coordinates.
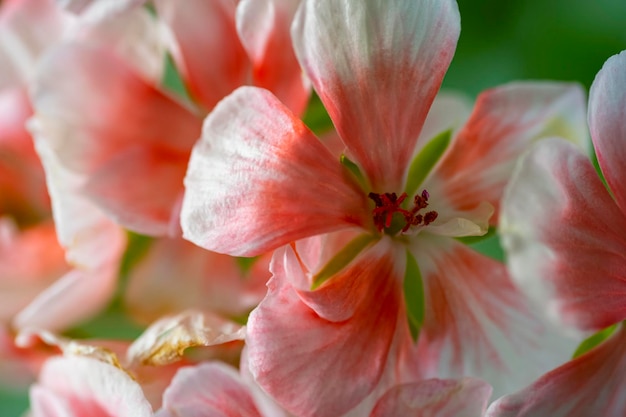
(333, 326)
(106, 116)
(564, 234)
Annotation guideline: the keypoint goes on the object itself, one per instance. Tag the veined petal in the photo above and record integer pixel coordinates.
(505, 122)
(259, 179)
(264, 28)
(208, 390)
(304, 360)
(607, 122)
(591, 385)
(565, 237)
(115, 118)
(78, 386)
(207, 49)
(476, 321)
(380, 80)
(465, 397)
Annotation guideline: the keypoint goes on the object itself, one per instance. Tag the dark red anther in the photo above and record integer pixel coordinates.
(430, 217)
(388, 204)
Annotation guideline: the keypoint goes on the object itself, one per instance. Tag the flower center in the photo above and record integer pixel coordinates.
(391, 218)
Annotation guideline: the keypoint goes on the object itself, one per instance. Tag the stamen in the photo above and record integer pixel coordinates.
(388, 204)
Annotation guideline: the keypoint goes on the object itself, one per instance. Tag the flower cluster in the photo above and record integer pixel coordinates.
(155, 170)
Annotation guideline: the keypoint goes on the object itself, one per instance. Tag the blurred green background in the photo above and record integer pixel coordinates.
(502, 41)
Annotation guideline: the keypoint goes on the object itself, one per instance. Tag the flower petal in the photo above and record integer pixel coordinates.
(505, 122)
(564, 236)
(208, 390)
(78, 386)
(165, 340)
(607, 123)
(466, 397)
(116, 117)
(591, 385)
(207, 49)
(175, 275)
(380, 80)
(264, 29)
(302, 359)
(476, 321)
(258, 179)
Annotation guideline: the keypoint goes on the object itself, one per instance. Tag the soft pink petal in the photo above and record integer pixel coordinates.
(259, 178)
(117, 117)
(175, 275)
(27, 29)
(449, 111)
(505, 122)
(564, 236)
(208, 390)
(207, 48)
(466, 397)
(607, 122)
(590, 385)
(477, 323)
(379, 81)
(317, 367)
(23, 193)
(264, 27)
(78, 387)
(21, 279)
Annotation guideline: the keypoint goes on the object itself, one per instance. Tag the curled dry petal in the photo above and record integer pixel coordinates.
(166, 340)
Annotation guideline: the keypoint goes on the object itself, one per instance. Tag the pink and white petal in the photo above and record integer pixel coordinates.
(607, 123)
(105, 8)
(303, 360)
(206, 47)
(477, 323)
(91, 240)
(136, 36)
(175, 275)
(590, 385)
(208, 390)
(21, 279)
(449, 111)
(74, 297)
(264, 28)
(259, 179)
(505, 122)
(27, 29)
(564, 236)
(116, 116)
(150, 206)
(466, 397)
(379, 82)
(78, 386)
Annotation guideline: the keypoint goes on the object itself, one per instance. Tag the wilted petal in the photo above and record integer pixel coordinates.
(380, 80)
(591, 385)
(79, 386)
(466, 397)
(505, 122)
(208, 390)
(165, 340)
(477, 323)
(564, 237)
(264, 27)
(304, 360)
(607, 122)
(259, 178)
(207, 49)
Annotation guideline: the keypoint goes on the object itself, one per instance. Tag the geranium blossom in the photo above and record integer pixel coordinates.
(564, 234)
(335, 309)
